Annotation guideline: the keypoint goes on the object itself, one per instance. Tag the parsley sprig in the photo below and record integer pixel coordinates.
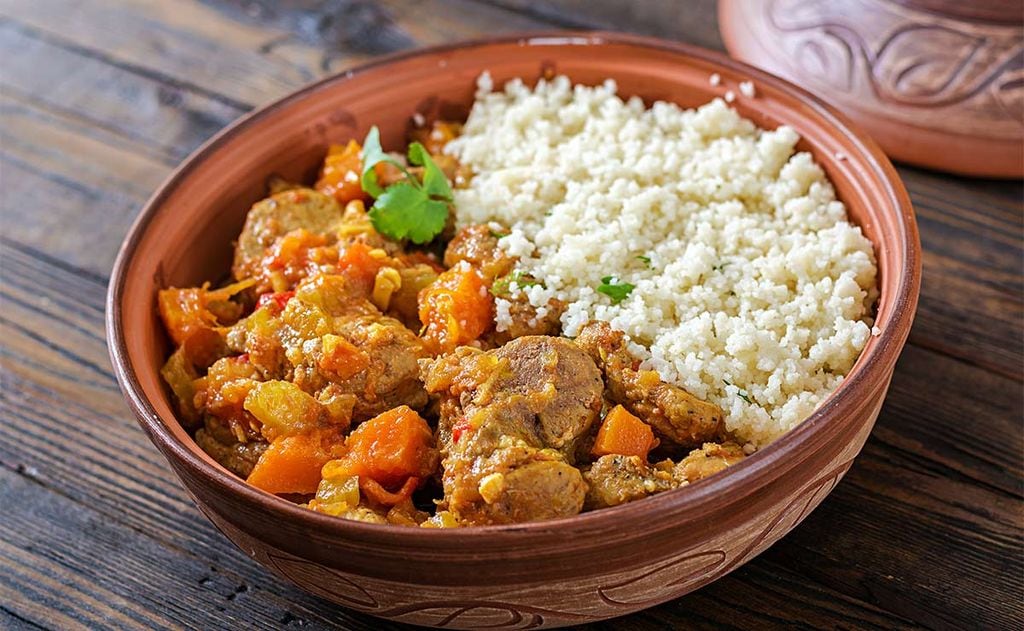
(409, 209)
(617, 291)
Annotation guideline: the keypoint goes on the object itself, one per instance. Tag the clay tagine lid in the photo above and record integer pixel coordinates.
(937, 83)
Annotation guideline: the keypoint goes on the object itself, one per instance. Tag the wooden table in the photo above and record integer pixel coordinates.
(102, 98)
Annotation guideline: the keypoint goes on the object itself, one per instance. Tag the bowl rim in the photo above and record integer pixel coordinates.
(766, 463)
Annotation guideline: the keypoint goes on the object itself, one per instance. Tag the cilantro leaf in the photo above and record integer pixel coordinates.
(374, 154)
(615, 290)
(645, 259)
(404, 211)
(435, 183)
(409, 209)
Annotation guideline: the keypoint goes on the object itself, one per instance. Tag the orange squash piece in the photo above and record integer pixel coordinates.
(391, 447)
(292, 464)
(456, 309)
(624, 434)
(340, 174)
(184, 311)
(360, 264)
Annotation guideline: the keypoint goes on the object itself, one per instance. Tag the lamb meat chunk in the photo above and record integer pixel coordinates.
(514, 483)
(535, 491)
(546, 384)
(614, 479)
(478, 245)
(525, 319)
(277, 215)
(222, 444)
(510, 421)
(676, 415)
(373, 357)
(710, 459)
(558, 383)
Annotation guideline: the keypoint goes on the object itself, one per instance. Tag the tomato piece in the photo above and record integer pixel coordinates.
(276, 300)
(378, 494)
(459, 429)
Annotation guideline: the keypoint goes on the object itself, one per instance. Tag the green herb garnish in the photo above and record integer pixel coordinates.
(499, 235)
(741, 393)
(615, 290)
(503, 286)
(646, 260)
(410, 209)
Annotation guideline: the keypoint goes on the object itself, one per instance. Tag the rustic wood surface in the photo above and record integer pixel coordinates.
(100, 99)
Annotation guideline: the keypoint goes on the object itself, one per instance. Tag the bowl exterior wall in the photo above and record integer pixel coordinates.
(426, 593)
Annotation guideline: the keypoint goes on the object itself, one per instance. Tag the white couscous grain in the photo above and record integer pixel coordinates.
(752, 290)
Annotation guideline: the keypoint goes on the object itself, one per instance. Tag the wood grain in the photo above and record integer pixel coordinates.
(100, 100)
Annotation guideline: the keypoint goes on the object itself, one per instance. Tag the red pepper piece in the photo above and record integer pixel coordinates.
(277, 299)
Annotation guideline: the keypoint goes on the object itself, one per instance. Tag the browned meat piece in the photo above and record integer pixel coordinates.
(258, 336)
(615, 479)
(524, 319)
(478, 246)
(221, 393)
(373, 357)
(534, 488)
(222, 444)
(510, 420)
(560, 385)
(277, 215)
(547, 389)
(707, 461)
(675, 415)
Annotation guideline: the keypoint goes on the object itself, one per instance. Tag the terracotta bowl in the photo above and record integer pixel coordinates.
(597, 565)
(938, 83)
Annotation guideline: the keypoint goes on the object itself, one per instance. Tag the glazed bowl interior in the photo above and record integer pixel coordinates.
(184, 235)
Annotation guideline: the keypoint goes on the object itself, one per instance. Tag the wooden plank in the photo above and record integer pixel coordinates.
(69, 566)
(57, 144)
(695, 21)
(247, 53)
(84, 144)
(972, 295)
(82, 177)
(184, 44)
(888, 536)
(170, 120)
